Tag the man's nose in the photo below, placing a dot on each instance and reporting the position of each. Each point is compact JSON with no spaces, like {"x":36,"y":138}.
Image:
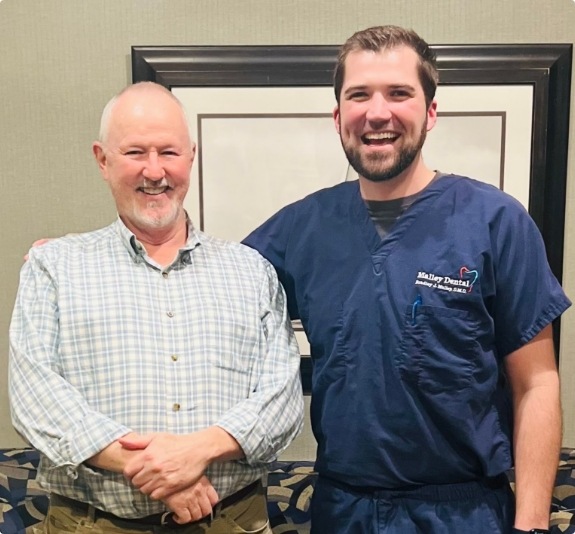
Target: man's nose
{"x":153,"y":168}
{"x":378,"y":109}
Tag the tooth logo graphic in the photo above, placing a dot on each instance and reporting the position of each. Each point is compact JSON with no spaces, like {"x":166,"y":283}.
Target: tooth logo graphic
{"x":466,"y":274}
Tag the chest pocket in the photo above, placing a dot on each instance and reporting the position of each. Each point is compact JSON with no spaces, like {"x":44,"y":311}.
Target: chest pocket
{"x":230,"y":336}
{"x":439,"y":352}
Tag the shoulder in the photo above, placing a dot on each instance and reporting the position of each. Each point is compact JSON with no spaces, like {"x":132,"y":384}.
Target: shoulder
{"x":337,"y":198}
{"x":486,"y":212}
{"x":234,"y":264}
{"x":273,"y":235}
{"x":480,"y":194}
{"x":71,"y":244}
{"x":230,"y":252}
{"x":329,"y":196}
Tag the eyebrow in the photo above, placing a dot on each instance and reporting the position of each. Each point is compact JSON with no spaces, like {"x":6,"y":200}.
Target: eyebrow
{"x":354,"y":88}
{"x":404,"y":87}
{"x":393,"y":87}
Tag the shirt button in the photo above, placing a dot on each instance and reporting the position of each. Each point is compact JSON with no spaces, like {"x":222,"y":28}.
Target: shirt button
{"x":165,"y":274}
{"x":174,"y":357}
{"x":176,"y":407}
{"x":170,"y":314}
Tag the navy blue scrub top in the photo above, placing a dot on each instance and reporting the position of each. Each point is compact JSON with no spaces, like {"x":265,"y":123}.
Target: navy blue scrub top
{"x":408,"y":333}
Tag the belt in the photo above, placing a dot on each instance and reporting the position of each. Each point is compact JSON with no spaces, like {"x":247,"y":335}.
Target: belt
{"x":166,"y":519}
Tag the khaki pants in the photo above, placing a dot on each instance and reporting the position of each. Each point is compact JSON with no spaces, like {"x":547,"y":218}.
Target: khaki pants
{"x":249,"y":515}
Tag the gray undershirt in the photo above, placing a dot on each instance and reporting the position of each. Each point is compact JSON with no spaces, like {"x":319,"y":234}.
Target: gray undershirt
{"x":384,"y":213}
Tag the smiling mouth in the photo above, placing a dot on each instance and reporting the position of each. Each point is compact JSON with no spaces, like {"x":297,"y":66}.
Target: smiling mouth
{"x":154,"y":191}
{"x":379,"y":138}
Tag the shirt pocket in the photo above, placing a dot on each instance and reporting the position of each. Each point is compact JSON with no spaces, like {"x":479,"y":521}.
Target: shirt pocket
{"x":439,"y":351}
{"x":231,"y":336}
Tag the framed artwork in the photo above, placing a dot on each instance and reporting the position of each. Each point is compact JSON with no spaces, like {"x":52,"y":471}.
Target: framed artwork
{"x":262,"y":118}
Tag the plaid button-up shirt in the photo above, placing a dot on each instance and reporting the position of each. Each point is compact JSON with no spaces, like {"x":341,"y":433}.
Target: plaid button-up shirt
{"x":103,"y":340}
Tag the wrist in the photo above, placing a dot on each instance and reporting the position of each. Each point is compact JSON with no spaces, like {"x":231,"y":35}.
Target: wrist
{"x":532,"y":531}
{"x":222,"y":445}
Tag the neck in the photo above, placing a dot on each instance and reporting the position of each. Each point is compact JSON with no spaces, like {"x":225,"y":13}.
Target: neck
{"x":409,"y":182}
{"x":163,"y":244}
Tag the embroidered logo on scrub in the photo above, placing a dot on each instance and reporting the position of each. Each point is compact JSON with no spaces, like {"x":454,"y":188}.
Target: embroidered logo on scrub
{"x":463,"y":284}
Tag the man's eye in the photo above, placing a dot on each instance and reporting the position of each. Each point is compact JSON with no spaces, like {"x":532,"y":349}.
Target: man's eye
{"x":169,"y":153}
{"x":360,"y":95}
{"x":133,"y":152}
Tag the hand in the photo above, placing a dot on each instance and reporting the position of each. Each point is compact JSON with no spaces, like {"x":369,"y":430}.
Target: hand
{"x":115,"y":457}
{"x":167,"y":464}
{"x":37,"y":243}
{"x":193,"y":503}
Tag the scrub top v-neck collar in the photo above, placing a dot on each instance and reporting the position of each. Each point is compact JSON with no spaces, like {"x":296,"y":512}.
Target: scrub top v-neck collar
{"x":382,"y":247}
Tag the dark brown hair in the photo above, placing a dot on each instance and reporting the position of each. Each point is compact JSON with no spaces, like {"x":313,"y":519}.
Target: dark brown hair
{"x":387,"y":37}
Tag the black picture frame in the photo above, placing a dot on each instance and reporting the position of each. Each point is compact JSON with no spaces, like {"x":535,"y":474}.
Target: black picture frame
{"x":545,"y":67}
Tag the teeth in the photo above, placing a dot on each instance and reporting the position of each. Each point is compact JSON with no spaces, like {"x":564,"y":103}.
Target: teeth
{"x":380,"y":136}
{"x":154,"y":190}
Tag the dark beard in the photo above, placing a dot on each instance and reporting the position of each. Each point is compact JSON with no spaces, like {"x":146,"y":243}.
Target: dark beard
{"x":405,"y":159}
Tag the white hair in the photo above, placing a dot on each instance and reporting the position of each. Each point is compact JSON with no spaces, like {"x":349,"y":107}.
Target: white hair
{"x":136,"y":87}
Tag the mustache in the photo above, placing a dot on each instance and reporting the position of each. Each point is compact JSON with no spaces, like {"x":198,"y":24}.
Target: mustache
{"x":155,"y":183}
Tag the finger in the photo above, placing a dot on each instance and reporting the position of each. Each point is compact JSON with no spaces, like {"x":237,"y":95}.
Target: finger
{"x":36,"y":243}
{"x":132,"y":468}
{"x":148,"y":485}
{"x":146,"y":489}
{"x":213,"y":496}
{"x":196,"y":512}
{"x":205,"y":505}
{"x":182,"y":516}
{"x":160,"y":493}
{"x":210,"y":491}
{"x":193,"y":513}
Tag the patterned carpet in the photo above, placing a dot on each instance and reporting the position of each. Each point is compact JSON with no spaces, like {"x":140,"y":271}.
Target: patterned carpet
{"x":23,"y":503}
{"x":290,"y":485}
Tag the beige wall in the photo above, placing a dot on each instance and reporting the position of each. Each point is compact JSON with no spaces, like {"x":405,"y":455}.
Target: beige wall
{"x":60,"y":61}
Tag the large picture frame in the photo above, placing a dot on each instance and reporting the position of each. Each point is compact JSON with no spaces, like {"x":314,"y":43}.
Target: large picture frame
{"x":544,"y":68}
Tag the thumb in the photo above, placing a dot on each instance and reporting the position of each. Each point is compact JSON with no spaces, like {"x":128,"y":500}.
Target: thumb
{"x":134,"y":442}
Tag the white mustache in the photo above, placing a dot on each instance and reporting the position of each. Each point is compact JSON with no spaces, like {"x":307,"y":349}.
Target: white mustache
{"x":155,"y":183}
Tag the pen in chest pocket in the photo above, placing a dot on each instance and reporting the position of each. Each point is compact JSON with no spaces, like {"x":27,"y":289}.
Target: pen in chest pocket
{"x":416,"y":303}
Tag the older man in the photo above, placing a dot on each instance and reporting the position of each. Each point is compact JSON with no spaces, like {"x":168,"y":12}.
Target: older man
{"x":153,"y":366}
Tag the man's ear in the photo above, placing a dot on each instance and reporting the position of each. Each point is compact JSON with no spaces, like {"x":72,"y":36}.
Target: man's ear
{"x":100,"y":155}
{"x":336,"y":118}
{"x":431,"y":115}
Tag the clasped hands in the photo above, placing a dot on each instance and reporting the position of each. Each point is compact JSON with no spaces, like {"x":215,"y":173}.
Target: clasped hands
{"x":164,"y":470}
